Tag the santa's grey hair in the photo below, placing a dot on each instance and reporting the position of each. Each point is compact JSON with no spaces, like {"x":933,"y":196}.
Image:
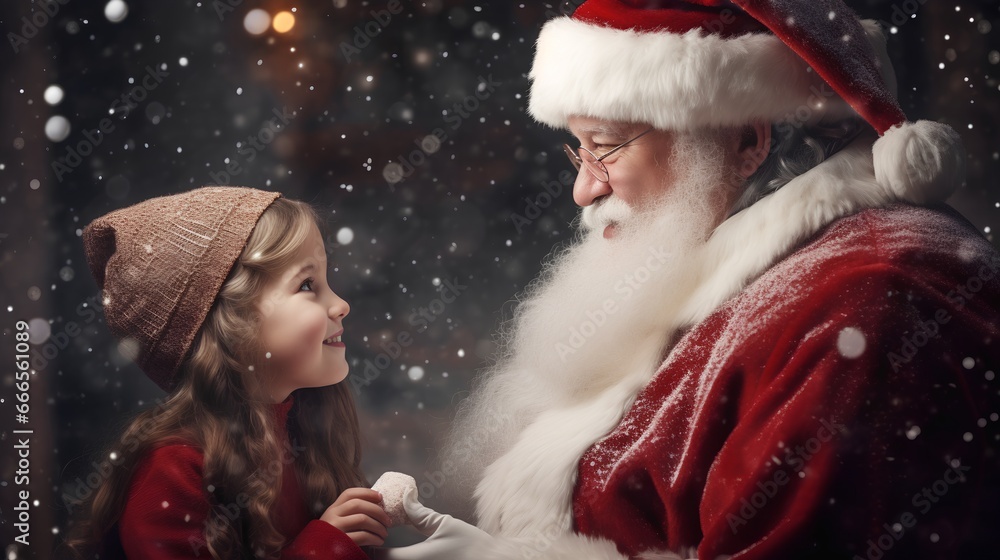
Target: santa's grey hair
{"x":795,"y":150}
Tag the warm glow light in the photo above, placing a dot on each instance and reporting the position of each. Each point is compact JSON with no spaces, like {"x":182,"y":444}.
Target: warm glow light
{"x":283,"y":22}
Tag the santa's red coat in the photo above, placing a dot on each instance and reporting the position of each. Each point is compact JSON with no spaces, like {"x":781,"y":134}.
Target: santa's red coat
{"x":844,"y":403}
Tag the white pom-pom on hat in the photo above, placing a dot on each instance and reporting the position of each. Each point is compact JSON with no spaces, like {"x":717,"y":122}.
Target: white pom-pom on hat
{"x":921,"y":162}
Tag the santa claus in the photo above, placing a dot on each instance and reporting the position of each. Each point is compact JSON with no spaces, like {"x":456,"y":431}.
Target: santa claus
{"x":770,"y":339}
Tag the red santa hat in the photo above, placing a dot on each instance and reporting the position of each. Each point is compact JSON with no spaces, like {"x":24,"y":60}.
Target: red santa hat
{"x":682,"y":64}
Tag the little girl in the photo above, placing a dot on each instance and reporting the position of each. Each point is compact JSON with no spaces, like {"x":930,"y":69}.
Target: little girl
{"x":220,"y":296}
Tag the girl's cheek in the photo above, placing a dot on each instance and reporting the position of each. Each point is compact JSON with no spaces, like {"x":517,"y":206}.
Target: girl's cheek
{"x":311,"y":331}
{"x":289,"y":334}
{"x":296,"y":329}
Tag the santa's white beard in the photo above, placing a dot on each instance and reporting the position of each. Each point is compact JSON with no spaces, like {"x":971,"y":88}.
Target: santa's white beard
{"x":602,"y":310}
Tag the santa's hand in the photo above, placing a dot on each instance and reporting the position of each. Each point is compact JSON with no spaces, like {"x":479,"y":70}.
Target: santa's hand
{"x":448,"y":538}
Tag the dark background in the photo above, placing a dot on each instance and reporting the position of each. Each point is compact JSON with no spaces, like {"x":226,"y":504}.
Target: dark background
{"x":358,"y":105}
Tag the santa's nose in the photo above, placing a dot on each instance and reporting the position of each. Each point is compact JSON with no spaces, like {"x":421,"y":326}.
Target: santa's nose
{"x":587,"y":188}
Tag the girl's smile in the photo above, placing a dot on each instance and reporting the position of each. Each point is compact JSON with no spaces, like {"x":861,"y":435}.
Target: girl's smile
{"x":334,"y":340}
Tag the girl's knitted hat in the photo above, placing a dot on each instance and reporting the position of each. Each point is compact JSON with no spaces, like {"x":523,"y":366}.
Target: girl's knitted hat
{"x":162,"y":262}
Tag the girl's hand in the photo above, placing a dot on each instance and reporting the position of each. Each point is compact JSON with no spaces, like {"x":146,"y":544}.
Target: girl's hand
{"x":357,"y":512}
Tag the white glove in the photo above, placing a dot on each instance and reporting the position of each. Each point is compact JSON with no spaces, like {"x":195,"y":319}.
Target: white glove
{"x":448,"y":538}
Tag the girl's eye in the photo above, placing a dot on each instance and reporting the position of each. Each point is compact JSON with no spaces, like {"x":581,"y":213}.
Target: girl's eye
{"x":307,"y":281}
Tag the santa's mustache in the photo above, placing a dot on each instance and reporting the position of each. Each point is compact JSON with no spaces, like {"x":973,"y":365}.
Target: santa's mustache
{"x":605,"y":211}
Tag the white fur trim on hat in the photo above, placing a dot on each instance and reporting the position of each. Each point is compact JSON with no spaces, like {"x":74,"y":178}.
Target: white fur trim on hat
{"x":679,"y":81}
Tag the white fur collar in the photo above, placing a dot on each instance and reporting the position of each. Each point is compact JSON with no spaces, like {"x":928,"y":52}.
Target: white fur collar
{"x":529,"y":489}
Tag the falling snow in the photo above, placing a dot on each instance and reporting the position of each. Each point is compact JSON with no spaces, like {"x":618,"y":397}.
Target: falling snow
{"x":143,"y":99}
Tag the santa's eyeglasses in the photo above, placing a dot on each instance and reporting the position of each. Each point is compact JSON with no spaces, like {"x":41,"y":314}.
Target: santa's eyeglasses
{"x":586,"y":158}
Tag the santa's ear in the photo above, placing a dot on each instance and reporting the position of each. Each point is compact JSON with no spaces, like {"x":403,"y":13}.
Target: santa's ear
{"x":753,"y":144}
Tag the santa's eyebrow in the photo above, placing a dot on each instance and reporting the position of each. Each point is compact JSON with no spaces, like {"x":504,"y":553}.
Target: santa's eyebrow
{"x":600,"y":128}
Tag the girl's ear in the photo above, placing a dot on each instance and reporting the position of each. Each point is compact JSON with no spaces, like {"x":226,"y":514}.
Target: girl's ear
{"x":753,"y":147}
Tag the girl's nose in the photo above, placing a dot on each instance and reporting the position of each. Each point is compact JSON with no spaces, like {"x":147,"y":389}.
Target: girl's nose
{"x":340,"y":307}
{"x":587,"y":188}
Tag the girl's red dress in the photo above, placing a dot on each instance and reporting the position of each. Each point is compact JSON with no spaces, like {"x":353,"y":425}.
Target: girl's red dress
{"x":166,"y":509}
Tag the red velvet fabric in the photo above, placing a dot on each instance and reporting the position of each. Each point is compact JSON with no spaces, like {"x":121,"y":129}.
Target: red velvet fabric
{"x":844,"y":405}
{"x":829,"y":37}
{"x":166,"y":509}
{"x":673,"y":16}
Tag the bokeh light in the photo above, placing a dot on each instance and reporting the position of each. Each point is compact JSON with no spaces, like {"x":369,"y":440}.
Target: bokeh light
{"x":283,"y":22}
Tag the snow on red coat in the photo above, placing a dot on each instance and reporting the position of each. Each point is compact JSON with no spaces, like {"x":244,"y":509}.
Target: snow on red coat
{"x":166,"y":509}
{"x":844,"y":401}
{"x":829,"y":392}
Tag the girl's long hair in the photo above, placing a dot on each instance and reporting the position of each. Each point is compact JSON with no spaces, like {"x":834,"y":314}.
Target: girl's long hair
{"x":220,"y":404}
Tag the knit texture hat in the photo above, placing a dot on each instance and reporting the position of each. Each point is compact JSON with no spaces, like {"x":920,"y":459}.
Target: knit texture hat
{"x":682,"y":64}
{"x":162,"y":262}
